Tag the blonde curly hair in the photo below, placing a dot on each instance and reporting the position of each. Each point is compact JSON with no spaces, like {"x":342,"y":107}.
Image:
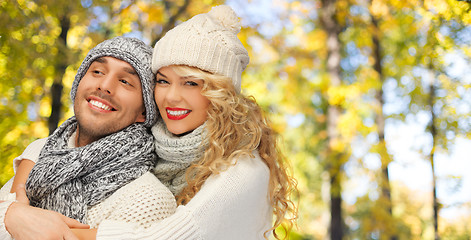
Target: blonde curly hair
{"x":236,"y":126}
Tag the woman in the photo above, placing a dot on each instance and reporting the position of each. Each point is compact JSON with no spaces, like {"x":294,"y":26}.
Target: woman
{"x":198,"y":68}
{"x":218,"y":153}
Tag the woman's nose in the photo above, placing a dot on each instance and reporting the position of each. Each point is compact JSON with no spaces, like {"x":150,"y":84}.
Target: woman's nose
{"x":173,"y":94}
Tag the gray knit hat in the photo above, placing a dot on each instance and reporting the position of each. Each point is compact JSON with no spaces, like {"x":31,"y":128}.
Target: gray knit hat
{"x":138,"y":55}
{"x":207,"y":41}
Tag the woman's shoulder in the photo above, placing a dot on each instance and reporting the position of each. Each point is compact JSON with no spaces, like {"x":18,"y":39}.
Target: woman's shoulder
{"x":252,"y":162}
{"x":246,"y":168}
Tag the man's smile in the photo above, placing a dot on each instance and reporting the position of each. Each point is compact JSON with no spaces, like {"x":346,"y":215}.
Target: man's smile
{"x":100,"y":104}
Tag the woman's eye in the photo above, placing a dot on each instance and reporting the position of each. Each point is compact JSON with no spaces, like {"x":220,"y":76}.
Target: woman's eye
{"x":191,"y":83}
{"x":97,"y":72}
{"x":161,"y":81}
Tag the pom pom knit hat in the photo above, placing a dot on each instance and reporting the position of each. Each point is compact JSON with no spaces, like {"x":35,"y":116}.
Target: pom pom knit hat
{"x":207,"y":41}
{"x":138,"y":55}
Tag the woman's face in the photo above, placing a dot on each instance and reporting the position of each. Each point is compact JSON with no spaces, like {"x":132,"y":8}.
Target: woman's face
{"x":180,"y":102}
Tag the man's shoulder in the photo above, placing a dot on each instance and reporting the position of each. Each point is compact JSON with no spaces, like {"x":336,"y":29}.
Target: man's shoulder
{"x":38,"y":142}
{"x":34,"y":148}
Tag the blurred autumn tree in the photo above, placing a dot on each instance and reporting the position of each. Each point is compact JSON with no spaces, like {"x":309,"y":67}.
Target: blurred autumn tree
{"x":333,"y":75}
{"x":363,"y":61}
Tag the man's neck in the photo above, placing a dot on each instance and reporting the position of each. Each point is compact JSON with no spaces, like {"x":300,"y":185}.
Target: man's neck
{"x":83,"y":139}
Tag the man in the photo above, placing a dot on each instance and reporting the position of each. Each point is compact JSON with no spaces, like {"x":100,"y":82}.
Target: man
{"x":104,"y":147}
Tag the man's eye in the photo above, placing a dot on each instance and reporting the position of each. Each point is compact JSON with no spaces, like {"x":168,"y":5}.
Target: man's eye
{"x":124,"y":81}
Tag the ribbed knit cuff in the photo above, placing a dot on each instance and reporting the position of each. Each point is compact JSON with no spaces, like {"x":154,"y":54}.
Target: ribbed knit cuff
{"x":177,"y":227}
{"x":3,"y":210}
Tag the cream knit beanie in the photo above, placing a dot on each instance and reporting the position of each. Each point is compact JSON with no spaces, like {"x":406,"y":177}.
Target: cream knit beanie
{"x":207,"y":41}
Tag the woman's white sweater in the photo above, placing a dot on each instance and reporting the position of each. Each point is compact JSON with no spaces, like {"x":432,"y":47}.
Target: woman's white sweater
{"x":231,"y":205}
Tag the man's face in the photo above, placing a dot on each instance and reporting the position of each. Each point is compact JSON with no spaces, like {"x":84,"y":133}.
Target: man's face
{"x":108,"y":99}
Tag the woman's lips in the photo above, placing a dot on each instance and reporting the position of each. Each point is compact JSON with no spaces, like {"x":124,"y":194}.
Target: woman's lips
{"x":177,"y":113}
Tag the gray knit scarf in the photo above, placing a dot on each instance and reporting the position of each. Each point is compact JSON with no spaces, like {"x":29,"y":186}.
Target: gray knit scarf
{"x":69,"y":180}
{"x":176,"y":154}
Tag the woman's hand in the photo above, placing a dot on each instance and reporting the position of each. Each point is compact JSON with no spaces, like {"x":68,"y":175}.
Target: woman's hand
{"x":85,"y":234}
{"x":25,"y":222}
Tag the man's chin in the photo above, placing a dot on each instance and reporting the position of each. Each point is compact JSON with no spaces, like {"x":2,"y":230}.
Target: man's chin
{"x":94,"y":131}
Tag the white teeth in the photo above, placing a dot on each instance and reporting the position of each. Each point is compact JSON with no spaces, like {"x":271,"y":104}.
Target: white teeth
{"x":100,"y":105}
{"x":178,"y":113}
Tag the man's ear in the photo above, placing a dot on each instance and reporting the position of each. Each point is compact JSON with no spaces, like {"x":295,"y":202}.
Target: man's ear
{"x":141,"y":117}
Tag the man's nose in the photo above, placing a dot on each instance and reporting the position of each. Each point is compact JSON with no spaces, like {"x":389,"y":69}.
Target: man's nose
{"x":107,"y":84}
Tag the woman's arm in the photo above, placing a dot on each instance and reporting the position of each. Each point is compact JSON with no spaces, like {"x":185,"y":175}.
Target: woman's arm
{"x":143,"y":201}
{"x":84,"y":234}
{"x":231,"y":205}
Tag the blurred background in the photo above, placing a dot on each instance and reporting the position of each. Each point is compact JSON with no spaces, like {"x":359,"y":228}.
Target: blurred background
{"x":371,"y":98}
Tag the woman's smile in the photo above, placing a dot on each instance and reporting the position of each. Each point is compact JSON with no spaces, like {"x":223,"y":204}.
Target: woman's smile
{"x":177,"y":113}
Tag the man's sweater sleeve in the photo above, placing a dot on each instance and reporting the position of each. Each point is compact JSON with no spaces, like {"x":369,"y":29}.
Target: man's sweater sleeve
{"x":231,"y":205}
{"x":31,"y":152}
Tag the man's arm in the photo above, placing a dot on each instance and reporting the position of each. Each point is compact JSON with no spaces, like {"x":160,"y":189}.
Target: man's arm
{"x":22,"y":172}
{"x":24,"y":222}
{"x":25,"y":162}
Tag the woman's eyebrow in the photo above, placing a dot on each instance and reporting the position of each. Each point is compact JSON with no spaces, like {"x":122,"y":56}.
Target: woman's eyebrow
{"x":158,"y":72}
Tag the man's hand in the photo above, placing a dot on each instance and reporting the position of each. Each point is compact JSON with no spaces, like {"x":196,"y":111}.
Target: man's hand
{"x":25,"y":222}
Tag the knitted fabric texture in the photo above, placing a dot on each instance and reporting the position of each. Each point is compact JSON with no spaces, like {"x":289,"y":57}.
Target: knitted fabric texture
{"x":143,"y":201}
{"x":207,"y":41}
{"x":68,"y":180}
{"x":138,"y":55}
{"x":176,"y":154}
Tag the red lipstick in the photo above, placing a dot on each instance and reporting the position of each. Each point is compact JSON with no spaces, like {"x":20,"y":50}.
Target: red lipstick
{"x":177,"y":113}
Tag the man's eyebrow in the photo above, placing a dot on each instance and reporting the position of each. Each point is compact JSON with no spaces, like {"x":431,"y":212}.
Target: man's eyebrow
{"x":130,"y":70}
{"x":101,"y":60}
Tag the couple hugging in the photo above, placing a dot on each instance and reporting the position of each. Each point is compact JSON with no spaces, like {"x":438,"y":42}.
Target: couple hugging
{"x":163,"y":145}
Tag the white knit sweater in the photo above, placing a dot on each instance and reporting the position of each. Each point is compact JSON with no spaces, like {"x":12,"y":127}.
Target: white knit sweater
{"x":143,"y":201}
{"x":231,"y":205}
